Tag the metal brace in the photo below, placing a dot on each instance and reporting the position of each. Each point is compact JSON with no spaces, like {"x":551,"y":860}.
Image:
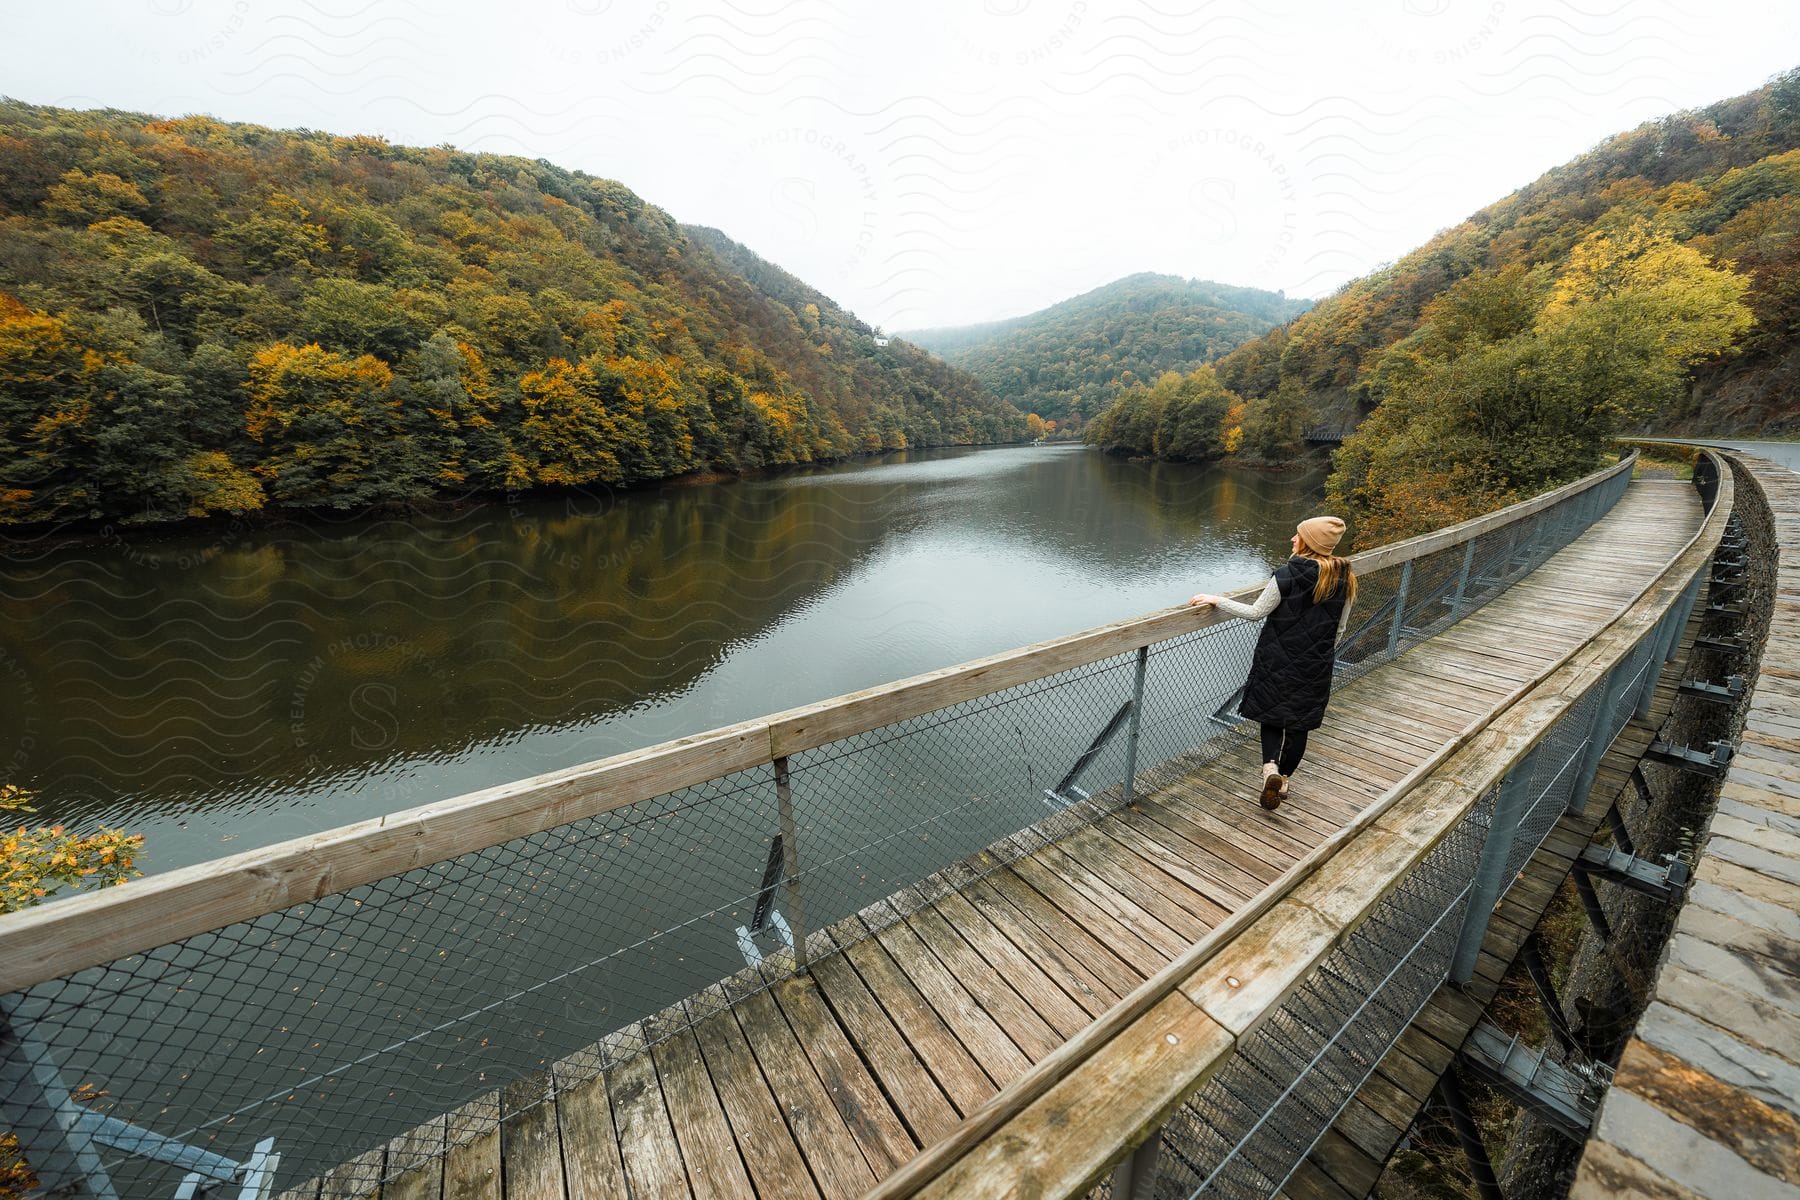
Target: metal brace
{"x":1567,"y":1097}
{"x":766,"y":915}
{"x":1667,"y":882}
{"x":1730,"y":692}
{"x":259,"y":1177}
{"x":61,"y":1139}
{"x":1711,"y":763}
{"x":1058,"y":797}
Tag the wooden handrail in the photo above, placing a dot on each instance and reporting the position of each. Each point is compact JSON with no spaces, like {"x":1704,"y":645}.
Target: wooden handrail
{"x":69,"y":935}
{"x":1237,"y":975}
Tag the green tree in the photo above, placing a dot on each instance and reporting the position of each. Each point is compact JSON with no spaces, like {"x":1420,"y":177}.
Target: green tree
{"x":359,"y":318}
{"x":325,"y":421}
{"x":1274,"y":426}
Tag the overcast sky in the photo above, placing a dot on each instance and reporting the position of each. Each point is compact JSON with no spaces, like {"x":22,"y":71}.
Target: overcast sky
{"x":930,"y":164}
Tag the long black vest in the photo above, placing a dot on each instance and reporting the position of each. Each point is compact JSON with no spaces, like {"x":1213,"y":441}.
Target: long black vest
{"x":1290,"y":676}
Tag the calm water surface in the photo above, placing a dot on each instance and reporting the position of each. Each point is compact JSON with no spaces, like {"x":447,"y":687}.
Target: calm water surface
{"x":228,"y":689}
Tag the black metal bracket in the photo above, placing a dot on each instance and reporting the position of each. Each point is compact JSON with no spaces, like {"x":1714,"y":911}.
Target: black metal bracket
{"x":1729,"y":692}
{"x":1667,"y":881}
{"x":1531,"y":955}
{"x":765,"y":916}
{"x":1711,"y":763}
{"x":1728,"y":643}
{"x":1615,"y":820}
{"x":1567,"y":1098}
{"x":1590,"y":902}
{"x":1468,"y":1136}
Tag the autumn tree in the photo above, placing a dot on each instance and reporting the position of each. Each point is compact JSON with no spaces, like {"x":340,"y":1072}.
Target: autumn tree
{"x":325,"y":421}
{"x":1178,"y":416}
{"x":1482,"y":404}
{"x":37,"y":860}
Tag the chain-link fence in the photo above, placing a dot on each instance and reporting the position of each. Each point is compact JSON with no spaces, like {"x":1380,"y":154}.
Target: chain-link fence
{"x":1245,"y":1132}
{"x":327,"y":1030}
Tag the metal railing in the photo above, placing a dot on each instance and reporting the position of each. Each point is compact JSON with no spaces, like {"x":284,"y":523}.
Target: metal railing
{"x":1250,"y":1126}
{"x":1290,"y":1008}
{"x":280,"y":1015}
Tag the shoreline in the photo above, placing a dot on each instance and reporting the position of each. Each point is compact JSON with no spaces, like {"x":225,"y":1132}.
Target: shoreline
{"x":27,"y":541}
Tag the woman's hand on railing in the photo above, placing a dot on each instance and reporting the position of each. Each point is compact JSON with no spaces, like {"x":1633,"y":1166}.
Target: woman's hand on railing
{"x":1203,"y":601}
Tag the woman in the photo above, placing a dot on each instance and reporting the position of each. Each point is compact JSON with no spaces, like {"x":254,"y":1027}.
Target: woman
{"x":1307,"y":602}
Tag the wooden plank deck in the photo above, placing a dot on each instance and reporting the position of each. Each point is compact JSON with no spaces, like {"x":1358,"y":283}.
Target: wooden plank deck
{"x":827,"y":1082}
{"x":1349,"y":1159}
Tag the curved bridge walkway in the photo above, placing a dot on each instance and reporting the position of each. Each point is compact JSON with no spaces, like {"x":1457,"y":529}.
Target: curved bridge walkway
{"x":828,"y":1082}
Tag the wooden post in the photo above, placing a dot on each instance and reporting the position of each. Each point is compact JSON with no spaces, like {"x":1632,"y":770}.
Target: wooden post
{"x":790,"y":851}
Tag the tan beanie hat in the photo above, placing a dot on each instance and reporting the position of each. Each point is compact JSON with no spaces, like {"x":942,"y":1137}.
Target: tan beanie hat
{"x":1322,"y":534}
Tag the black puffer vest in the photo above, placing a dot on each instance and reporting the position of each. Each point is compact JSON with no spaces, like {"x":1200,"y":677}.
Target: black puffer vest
{"x":1290,"y":676}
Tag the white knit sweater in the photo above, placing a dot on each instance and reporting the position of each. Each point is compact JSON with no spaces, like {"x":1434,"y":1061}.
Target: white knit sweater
{"x":1265,"y":603}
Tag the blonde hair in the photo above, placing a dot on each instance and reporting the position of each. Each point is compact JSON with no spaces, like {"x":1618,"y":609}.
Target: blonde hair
{"x":1334,"y":570}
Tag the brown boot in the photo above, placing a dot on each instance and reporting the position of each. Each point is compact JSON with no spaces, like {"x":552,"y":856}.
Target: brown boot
{"x":1273,"y":787}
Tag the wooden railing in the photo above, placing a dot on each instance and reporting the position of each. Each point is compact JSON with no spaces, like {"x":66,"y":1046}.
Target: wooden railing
{"x":1056,"y":1130}
{"x":70,"y":935}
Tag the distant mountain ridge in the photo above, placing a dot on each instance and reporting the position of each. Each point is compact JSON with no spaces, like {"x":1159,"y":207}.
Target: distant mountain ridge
{"x":1072,"y":357}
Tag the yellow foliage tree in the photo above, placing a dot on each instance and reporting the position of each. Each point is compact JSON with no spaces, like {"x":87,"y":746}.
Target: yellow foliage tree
{"x":324,"y":417}
{"x":35,"y":861}
{"x":568,"y":426}
{"x":1642,"y":273}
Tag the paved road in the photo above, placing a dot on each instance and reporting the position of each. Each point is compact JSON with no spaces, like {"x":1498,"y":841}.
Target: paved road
{"x":1785,"y":453}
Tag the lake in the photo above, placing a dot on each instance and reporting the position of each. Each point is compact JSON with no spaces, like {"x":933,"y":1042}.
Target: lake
{"x":227,"y":688}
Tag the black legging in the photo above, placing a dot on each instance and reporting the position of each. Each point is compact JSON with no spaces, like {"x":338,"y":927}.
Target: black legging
{"x":1283,"y":747}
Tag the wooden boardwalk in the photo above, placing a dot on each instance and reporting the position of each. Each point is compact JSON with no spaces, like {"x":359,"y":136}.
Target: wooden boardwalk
{"x":1349,"y":1158}
{"x":826,"y":1083}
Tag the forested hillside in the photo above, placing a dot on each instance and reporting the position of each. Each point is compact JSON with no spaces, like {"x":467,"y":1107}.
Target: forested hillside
{"x":1068,"y":360}
{"x":198,"y":317}
{"x":1654,"y":281}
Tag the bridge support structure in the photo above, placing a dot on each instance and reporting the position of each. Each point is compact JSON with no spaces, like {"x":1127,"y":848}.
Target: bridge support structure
{"x":1350,"y":1158}
{"x":66,"y":1153}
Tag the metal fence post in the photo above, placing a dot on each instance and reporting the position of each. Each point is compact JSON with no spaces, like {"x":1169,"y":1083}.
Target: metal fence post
{"x":35,"y":1105}
{"x":790,"y":851}
{"x":1135,"y":1178}
{"x":1668,"y":640}
{"x":1490,"y":873}
{"x":1399,"y":608}
{"x":1462,"y":582}
{"x":1685,"y":607}
{"x":1599,"y":738}
{"x":1131,"y":733}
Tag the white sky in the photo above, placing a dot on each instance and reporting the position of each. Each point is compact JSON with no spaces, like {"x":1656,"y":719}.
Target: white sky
{"x":930,"y":163}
